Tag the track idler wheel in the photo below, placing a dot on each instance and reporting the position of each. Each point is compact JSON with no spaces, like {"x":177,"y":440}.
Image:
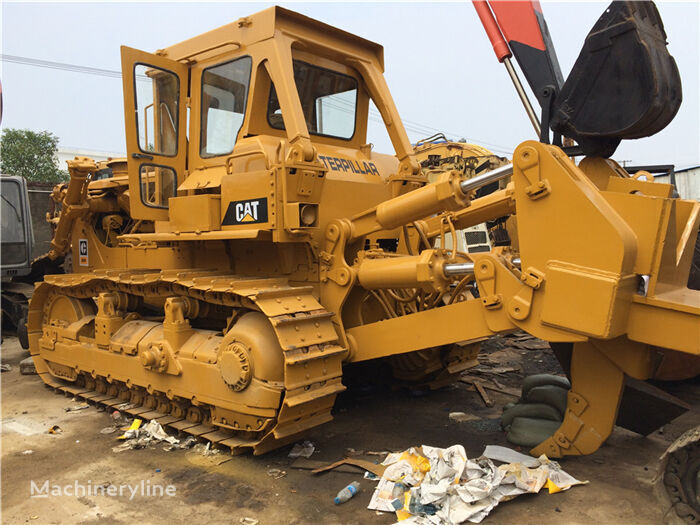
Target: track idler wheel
{"x":235,"y":365}
{"x":250,"y":350}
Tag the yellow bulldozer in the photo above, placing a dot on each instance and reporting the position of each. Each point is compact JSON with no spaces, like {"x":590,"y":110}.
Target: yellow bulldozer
{"x":253,"y":243}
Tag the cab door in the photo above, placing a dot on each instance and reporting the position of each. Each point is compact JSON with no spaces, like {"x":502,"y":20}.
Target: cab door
{"x":155,"y":114}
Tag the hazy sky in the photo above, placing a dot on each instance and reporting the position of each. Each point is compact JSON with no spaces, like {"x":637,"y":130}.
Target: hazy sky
{"x":439,"y":67}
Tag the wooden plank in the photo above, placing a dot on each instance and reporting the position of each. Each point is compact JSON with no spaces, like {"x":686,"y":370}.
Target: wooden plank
{"x":499,"y":388}
{"x":484,"y":396}
{"x":312,"y":464}
{"x":363,"y":464}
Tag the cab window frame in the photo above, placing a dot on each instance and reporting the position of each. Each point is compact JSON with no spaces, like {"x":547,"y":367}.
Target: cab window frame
{"x":202,"y":129}
{"x":176,"y":120}
{"x":154,"y":164}
{"x":355,"y":80}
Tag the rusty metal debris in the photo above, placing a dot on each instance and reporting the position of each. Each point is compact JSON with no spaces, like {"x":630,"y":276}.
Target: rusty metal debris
{"x":360,"y":463}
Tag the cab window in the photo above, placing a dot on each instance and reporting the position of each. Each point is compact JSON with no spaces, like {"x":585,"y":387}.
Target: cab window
{"x":158,"y":184}
{"x":12,"y":238}
{"x":157,"y":92}
{"x":328,"y":99}
{"x":224,"y":95}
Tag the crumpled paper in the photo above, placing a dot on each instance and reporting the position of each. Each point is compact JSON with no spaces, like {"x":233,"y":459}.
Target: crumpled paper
{"x":137,"y":436}
{"x":441,"y":486}
{"x":155,"y":431}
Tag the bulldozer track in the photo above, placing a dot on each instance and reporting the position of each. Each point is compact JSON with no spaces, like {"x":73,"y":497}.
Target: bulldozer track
{"x":312,"y":368}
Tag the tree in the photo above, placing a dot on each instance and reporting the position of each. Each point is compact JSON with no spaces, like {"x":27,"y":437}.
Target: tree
{"x":30,"y":155}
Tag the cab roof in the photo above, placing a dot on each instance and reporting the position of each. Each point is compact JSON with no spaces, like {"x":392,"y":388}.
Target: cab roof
{"x":266,"y":24}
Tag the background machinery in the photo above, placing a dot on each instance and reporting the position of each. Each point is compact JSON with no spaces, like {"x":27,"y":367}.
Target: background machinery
{"x":436,"y":154}
{"x":219,"y":284}
{"x":16,"y":242}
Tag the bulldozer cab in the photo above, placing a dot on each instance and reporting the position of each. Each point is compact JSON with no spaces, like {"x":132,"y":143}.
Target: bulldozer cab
{"x":229,"y":100}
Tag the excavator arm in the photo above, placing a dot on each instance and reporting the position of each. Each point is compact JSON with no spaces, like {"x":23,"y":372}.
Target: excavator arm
{"x":623,"y":85}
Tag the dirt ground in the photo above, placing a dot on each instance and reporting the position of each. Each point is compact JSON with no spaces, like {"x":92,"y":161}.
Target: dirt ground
{"x":225,"y":489}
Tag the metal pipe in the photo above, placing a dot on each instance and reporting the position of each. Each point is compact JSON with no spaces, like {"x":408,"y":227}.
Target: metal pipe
{"x":503,"y":54}
{"x":523,"y":95}
{"x":487,"y":178}
{"x":455,"y":269}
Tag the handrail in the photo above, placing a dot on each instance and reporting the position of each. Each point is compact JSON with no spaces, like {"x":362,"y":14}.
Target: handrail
{"x":210,"y":48}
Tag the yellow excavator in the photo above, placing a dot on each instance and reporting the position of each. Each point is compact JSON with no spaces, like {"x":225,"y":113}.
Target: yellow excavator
{"x":253,"y":243}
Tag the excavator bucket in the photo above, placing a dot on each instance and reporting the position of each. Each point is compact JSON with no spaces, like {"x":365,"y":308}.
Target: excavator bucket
{"x":624,"y":84}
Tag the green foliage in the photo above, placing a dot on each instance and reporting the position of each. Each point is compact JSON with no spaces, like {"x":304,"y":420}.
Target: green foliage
{"x":30,"y":155}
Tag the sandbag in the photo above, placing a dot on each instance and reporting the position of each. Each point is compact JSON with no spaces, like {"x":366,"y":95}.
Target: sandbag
{"x":543,"y":379}
{"x":530,"y":432}
{"x":530,"y":410}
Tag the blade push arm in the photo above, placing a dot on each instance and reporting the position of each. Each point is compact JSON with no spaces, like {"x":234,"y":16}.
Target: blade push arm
{"x":584,"y":254}
{"x":74,"y":204}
